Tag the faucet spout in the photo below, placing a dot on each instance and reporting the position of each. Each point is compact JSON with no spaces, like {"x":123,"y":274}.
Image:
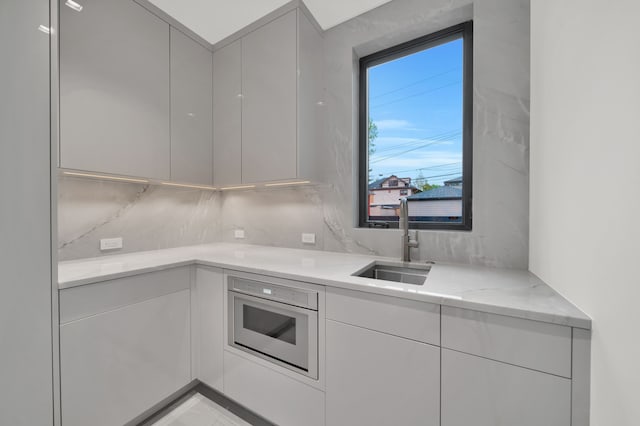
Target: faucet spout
{"x":403,"y":224}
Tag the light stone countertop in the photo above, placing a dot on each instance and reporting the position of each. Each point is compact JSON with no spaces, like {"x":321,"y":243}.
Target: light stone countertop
{"x":500,"y":291}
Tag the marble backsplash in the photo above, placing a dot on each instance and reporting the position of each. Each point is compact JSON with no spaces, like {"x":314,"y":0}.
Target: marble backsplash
{"x":151,"y":217}
{"x":147,"y":217}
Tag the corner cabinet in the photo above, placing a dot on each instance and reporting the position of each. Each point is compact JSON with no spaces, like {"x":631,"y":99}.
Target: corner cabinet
{"x":227,"y":114}
{"x":114,"y":90}
{"x":273,"y":110}
{"x":191,"y":111}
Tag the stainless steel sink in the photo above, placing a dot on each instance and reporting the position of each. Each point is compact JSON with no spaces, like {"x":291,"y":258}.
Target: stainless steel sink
{"x":415,"y":274}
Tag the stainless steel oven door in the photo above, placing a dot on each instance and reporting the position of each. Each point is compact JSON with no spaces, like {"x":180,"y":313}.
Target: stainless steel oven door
{"x":281,"y":333}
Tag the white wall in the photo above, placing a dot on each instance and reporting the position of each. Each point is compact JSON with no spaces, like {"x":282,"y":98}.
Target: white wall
{"x":26,"y":374}
{"x":585,"y":182}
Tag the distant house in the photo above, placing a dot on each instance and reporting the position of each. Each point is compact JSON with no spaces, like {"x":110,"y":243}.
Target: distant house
{"x":442,"y":204}
{"x":385,"y":194}
{"x":454,"y":182}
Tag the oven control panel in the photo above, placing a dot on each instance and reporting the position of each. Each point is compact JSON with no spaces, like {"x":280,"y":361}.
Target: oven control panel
{"x":294,"y":296}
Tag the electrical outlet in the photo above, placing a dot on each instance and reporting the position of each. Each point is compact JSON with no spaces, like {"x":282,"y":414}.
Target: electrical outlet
{"x":238,"y":234}
{"x":110,"y":243}
{"x":309,"y":238}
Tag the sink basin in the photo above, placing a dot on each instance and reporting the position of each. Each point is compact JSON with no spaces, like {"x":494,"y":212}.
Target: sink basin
{"x":407,"y":273}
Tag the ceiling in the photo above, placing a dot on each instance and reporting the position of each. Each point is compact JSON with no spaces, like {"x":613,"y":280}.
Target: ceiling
{"x":214,"y":20}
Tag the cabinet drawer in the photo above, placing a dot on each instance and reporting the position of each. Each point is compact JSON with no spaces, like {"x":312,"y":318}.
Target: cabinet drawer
{"x":481,"y":392}
{"x":401,"y":317}
{"x":91,"y":299}
{"x":376,"y":379}
{"x":532,"y":344}
{"x":276,"y":397}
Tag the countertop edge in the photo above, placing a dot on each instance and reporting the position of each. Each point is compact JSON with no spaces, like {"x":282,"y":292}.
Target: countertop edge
{"x":440,"y":299}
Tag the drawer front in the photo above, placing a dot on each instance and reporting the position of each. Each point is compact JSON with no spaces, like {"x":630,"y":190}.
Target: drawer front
{"x":91,"y":299}
{"x":532,"y":344}
{"x":400,"y":317}
{"x":481,"y":392}
{"x":116,"y":365}
{"x":278,"y":398}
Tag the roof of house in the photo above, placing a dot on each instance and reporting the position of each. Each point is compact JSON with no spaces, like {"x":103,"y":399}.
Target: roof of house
{"x":440,"y":193}
{"x":454,"y":180}
{"x":377,"y":184}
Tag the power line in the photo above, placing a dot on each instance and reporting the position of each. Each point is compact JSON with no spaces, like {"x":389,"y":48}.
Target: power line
{"x":426,"y":178}
{"x":426,"y":145}
{"x":416,"y":94}
{"x":447,"y":134}
{"x":433,"y":141}
{"x":414,"y":83}
{"x":426,"y":168}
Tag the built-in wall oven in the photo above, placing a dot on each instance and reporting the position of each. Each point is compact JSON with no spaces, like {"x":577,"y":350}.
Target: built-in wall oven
{"x":275,"y":322}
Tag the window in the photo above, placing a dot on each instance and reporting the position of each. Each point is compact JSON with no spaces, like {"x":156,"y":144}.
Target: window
{"x":415,"y":127}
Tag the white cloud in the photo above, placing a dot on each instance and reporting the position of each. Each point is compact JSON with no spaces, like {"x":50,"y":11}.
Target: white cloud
{"x":392,"y":124}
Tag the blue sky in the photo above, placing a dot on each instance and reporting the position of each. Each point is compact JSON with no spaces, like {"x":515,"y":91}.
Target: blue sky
{"x":416,"y":102}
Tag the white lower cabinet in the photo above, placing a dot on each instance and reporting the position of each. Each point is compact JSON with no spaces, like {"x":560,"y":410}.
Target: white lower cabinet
{"x":273,"y":395}
{"x":119,"y":363}
{"x":482,"y":392}
{"x":208,"y":326}
{"x":375,"y":378}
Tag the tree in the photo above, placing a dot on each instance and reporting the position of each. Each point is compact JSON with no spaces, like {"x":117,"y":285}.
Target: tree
{"x":373,"y":134}
{"x":422,"y":184}
{"x":427,"y":186}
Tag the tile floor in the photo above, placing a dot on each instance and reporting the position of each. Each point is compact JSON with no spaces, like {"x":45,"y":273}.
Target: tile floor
{"x":200,"y":411}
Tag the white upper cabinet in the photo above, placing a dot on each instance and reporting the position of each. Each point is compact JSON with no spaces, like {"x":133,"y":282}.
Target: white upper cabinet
{"x":191,"y":110}
{"x":227,"y":114}
{"x":114,"y":89}
{"x":280,"y":90}
{"x":269,"y":82}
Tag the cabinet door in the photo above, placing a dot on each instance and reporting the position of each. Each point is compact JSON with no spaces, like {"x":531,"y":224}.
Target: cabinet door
{"x":114,"y":89}
{"x":191,"y":111}
{"x":378,"y":379}
{"x":481,"y":392}
{"x":208,"y":326}
{"x":227,"y":114}
{"x":26,"y":341}
{"x":117,"y":364}
{"x":269,"y":111}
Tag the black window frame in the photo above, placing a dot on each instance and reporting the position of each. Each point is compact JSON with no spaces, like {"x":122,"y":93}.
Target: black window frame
{"x":464,"y":30}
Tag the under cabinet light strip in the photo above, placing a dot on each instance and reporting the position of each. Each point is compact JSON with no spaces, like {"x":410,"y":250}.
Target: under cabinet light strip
{"x":287,"y":183}
{"x":73,"y":5}
{"x":238,"y":187}
{"x":184,"y":185}
{"x":106,"y":177}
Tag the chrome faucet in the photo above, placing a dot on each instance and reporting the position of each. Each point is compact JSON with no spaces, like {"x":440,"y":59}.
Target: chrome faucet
{"x":407,"y":241}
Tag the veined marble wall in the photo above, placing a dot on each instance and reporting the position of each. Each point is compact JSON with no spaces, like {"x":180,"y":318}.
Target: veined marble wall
{"x":147,"y":217}
{"x":153,"y":217}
